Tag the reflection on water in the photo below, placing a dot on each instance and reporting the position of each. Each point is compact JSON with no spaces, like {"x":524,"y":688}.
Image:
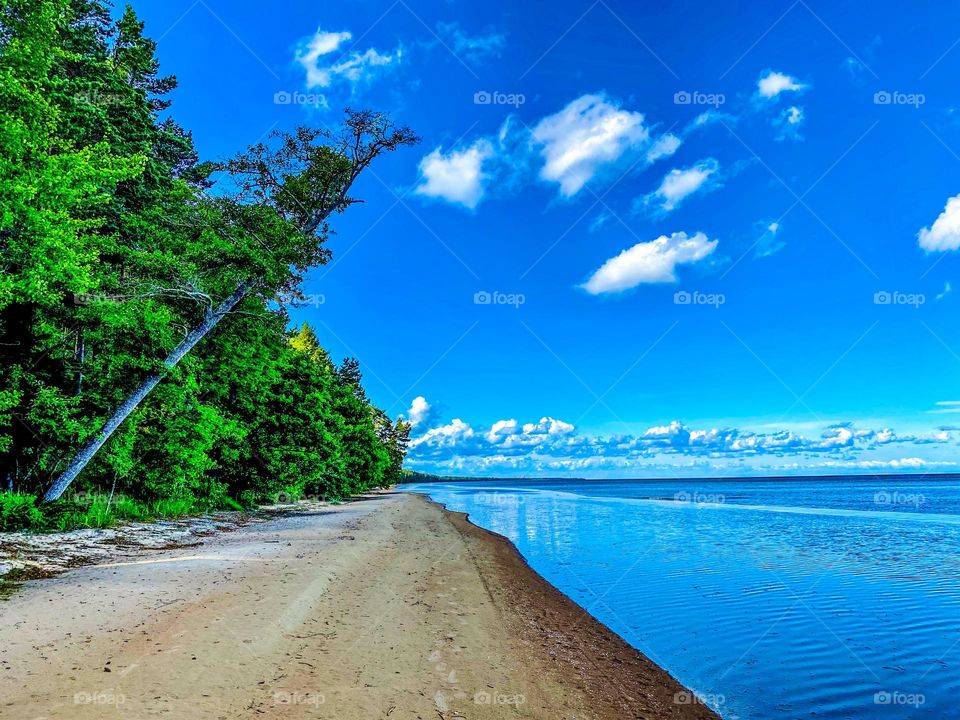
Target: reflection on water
{"x":831,"y":598}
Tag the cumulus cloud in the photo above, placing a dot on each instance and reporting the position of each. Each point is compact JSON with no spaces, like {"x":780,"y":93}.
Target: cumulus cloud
{"x":450,"y":436}
{"x":457,"y":176}
{"x":354,"y":67}
{"x":681,"y":183}
{"x":944,"y":234}
{"x":421,"y":412}
{"x":649,"y":262}
{"x":772,"y":83}
{"x":588,"y":136}
{"x":554,"y":444}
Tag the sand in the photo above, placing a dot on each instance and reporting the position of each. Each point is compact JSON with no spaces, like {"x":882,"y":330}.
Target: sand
{"x":385,"y":607}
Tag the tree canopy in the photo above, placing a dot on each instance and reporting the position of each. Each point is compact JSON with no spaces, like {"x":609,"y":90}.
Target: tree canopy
{"x":117,"y":243}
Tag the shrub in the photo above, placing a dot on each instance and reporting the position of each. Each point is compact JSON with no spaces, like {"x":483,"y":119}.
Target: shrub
{"x":19,"y":512}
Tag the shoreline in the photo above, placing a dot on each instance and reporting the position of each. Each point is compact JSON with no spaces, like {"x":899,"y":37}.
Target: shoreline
{"x":615,"y":676}
{"x":387,"y":606}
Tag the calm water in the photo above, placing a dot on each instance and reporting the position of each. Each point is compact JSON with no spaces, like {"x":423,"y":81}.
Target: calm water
{"x":826,"y":598}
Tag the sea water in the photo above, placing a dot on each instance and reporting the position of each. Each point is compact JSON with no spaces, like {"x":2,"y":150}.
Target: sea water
{"x":768,"y":598}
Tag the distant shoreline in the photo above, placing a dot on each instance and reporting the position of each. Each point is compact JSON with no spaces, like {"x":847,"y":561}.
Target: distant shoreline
{"x":875,"y":477}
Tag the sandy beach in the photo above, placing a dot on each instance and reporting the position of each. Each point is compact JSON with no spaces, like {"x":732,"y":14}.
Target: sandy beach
{"x":384,"y":607}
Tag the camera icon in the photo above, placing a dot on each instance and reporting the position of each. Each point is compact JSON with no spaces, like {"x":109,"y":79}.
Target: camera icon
{"x":282,"y":98}
{"x":482,"y":698}
{"x":882,"y":97}
{"x":682,"y":698}
{"x":882,"y":298}
{"x":882,"y":698}
{"x":682,"y":97}
{"x":482,"y":97}
{"x":482,"y":298}
{"x":682,"y":297}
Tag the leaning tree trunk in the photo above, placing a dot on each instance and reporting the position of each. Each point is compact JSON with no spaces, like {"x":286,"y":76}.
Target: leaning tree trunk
{"x":87,"y":453}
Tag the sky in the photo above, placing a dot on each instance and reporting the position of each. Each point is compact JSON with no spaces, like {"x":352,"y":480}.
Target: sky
{"x":637,"y":239}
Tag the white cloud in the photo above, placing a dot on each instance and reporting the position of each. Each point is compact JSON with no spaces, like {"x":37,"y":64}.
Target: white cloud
{"x":664,"y":146}
{"x":678,"y":184}
{"x":552,"y":444}
{"x":946,"y":406}
{"x":944,"y":234}
{"x":420,"y":411}
{"x":788,"y":123}
{"x":474,"y":48}
{"x":354,"y":67}
{"x":772,"y":83}
{"x":456,"y":176}
{"x":589,"y":135}
{"x":445,"y":436}
{"x":649,"y":262}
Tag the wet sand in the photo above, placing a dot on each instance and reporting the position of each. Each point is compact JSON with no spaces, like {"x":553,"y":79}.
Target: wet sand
{"x":385,"y":607}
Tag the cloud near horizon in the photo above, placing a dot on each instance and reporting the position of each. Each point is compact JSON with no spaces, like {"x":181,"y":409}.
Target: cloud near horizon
{"x":551,"y":444}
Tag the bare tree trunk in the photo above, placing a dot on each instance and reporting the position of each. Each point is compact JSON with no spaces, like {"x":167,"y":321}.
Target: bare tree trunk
{"x":87,"y":453}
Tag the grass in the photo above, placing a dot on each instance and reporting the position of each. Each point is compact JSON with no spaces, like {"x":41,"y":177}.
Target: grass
{"x":19,"y":511}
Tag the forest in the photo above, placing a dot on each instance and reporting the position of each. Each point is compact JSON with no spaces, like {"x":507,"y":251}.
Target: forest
{"x":149,"y":364}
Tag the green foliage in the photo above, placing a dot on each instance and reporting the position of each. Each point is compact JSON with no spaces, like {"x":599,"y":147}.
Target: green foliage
{"x":19,"y":511}
{"x":112,"y":249}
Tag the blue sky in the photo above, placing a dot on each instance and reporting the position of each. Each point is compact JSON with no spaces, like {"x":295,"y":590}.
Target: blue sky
{"x":637,"y":239}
